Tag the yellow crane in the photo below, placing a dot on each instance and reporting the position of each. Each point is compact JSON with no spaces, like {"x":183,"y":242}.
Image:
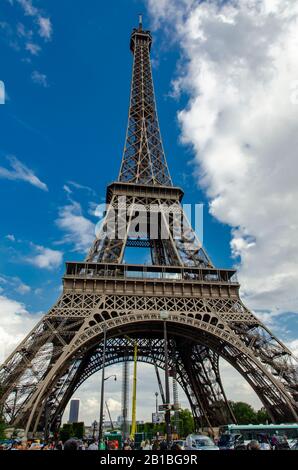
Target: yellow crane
{"x":134,"y":394}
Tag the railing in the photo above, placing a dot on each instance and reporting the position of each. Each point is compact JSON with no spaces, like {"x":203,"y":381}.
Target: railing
{"x":167,"y":273}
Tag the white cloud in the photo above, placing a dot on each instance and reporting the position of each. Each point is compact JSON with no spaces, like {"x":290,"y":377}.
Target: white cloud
{"x":38,"y":26}
{"x":67,"y":189}
{"x":13,"y":284}
{"x":28,"y":7}
{"x":45,"y":258}
{"x":44,"y":23}
{"x":15,"y":324}
{"x":23,"y":289}
{"x":293,"y":346}
{"x":23,"y":32}
{"x":79,"y":230}
{"x":34,"y":49}
{"x":239,"y":64}
{"x":39,"y":79}
{"x":76,"y":185}
{"x":11,"y":237}
{"x":22,"y":173}
{"x":45,"y":27}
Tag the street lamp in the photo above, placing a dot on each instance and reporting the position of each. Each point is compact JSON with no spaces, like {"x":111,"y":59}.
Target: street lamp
{"x":94,"y":425}
{"x":110,"y":376}
{"x":164,"y":315}
{"x":156,"y":403}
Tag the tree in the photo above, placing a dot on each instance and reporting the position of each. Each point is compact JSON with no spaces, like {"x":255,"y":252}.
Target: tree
{"x":66,"y":432}
{"x":263,"y":417}
{"x":186,"y":422}
{"x":78,"y":430}
{"x":244,"y":413}
{"x":72,"y":430}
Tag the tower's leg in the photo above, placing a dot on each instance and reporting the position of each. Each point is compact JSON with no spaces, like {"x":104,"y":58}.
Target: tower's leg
{"x":204,"y":386}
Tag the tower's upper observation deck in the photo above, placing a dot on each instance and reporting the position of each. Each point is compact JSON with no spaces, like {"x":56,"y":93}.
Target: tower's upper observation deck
{"x":140,"y":36}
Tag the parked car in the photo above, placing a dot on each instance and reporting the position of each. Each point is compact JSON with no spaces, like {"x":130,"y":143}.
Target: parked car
{"x":199,"y":442}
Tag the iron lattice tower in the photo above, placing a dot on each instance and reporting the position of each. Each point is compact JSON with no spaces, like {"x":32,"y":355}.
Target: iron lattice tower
{"x":207,"y":319}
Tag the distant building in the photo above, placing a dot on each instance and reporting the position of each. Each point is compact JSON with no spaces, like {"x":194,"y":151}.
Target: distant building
{"x":74,"y":411}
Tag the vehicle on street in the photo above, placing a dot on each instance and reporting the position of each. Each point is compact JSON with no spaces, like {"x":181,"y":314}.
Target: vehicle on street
{"x":180,"y":443}
{"x":199,"y":442}
{"x":258,"y":431}
{"x":229,"y":441}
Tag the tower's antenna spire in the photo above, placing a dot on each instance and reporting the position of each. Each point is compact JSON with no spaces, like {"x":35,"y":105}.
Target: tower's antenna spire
{"x":140,"y":22}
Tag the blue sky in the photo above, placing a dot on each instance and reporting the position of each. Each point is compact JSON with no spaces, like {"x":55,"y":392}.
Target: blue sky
{"x":67,"y":68}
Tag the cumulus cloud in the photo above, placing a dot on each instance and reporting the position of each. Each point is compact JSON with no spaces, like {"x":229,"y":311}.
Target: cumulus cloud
{"x":15,"y":324}
{"x":239,"y":67}
{"x":21,"y":172}
{"x":79,"y":231}
{"x":45,"y":258}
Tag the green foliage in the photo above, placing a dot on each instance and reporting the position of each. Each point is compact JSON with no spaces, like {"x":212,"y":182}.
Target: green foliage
{"x":186,"y":422}
{"x":2,"y":429}
{"x":66,"y":432}
{"x":245,"y":414}
{"x":71,"y":430}
{"x":78,"y":430}
{"x":263,"y":417}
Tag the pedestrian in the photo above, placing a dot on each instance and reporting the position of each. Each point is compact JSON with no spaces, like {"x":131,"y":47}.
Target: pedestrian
{"x":264,"y":444}
{"x":59,"y":446}
{"x":147,"y":445}
{"x":71,"y":444}
{"x":155,"y":445}
{"x":163,"y":445}
{"x":253,"y":445}
{"x":93,"y":446}
{"x":142,"y":445}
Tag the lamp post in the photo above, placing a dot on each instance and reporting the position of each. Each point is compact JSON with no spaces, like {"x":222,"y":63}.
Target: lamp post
{"x":110,"y":376}
{"x":94,"y":425}
{"x":100,"y":429}
{"x":156,"y":403}
{"x":164,"y":316}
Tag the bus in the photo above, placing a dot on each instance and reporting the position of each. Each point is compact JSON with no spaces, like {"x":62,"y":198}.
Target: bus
{"x":251,"y":432}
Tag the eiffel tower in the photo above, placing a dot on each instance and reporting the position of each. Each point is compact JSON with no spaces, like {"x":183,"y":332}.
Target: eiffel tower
{"x":206,"y":318}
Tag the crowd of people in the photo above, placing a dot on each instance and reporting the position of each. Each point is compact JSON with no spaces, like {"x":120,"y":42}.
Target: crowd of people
{"x":262,"y":442}
{"x":77,"y":444}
